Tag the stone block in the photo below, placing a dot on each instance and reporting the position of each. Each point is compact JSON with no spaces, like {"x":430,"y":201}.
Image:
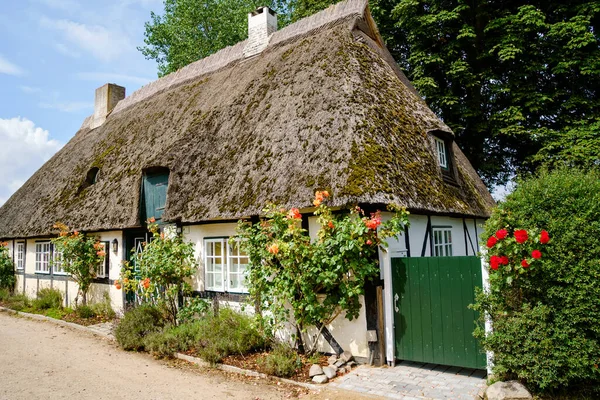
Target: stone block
{"x":320,"y":379}
{"x":315,"y":369}
{"x":511,"y":390}
{"x":330,"y":372}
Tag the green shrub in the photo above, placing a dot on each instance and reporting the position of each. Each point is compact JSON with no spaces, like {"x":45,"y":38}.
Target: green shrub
{"x":137,"y":324}
{"x":282,"y":361}
{"x":4,"y":294}
{"x":18,"y":302}
{"x":85,"y":312}
{"x":56,"y":313}
{"x":173,"y":339}
{"x":194,"y":308}
{"x":104,"y":308}
{"x":7,"y":269}
{"x":228,"y":332}
{"x":48,"y":298}
{"x":546,"y":317}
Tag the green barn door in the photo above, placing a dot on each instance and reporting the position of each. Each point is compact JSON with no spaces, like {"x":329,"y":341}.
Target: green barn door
{"x":155,"y":195}
{"x":433,"y":323}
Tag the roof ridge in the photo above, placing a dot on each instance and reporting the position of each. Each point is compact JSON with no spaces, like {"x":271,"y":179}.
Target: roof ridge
{"x":233,"y":53}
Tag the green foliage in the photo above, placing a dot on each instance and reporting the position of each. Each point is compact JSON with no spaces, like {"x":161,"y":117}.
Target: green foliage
{"x":193,"y":309}
{"x":137,"y":324}
{"x":104,"y":308}
{"x":81,"y":256}
{"x":315,"y":280}
{"x":190,"y":30}
{"x":546,"y":318}
{"x":509,"y":78}
{"x":84,"y":311}
{"x":228,"y":332}
{"x":18,"y":302}
{"x":162,"y":270}
{"x":282,"y":361}
{"x":7,"y":269}
{"x":174,"y":339}
{"x":4,"y":294}
{"x":48,"y":298}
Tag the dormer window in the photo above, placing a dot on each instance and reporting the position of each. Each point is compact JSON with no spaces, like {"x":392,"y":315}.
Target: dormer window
{"x":442,"y":153}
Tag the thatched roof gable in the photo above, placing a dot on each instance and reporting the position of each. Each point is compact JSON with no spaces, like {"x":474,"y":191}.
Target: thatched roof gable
{"x":320,"y":109}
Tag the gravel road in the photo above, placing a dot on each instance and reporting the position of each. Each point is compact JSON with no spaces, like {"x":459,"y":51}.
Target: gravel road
{"x":40,"y":360}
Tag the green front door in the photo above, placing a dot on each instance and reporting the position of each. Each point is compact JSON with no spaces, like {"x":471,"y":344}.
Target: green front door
{"x":433,"y":323}
{"x":155,"y":195}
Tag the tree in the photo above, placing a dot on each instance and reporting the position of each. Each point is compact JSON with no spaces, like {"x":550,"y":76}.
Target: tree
{"x":310,"y":283}
{"x":81,"y":256}
{"x":162,"y":270}
{"x":507,"y":77}
{"x":191,"y":29}
{"x":7,"y":269}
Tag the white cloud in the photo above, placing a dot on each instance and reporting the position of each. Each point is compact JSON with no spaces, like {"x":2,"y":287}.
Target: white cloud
{"x":104,"y":44}
{"x":6,"y":67}
{"x":105,"y":77}
{"x":23,"y":149}
{"x":69,"y":106}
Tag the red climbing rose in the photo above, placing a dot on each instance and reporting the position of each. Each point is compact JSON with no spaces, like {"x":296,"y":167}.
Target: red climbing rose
{"x":544,"y":237}
{"x":491,"y":242}
{"x":524,"y":263}
{"x":495,"y":262}
{"x":521,"y":236}
{"x":504,"y":260}
{"x":536,"y":254}
{"x":501,"y":234}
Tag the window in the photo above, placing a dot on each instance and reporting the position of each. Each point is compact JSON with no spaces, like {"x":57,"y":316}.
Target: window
{"x":225,"y":266}
{"x":442,"y":241}
{"x":20,"y":255}
{"x":42,"y":257}
{"x":57,"y":262}
{"x":441,"y":152}
{"x":103,"y":269}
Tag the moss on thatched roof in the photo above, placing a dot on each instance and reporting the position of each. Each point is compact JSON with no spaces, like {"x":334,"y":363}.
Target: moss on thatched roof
{"x":324,"y":109}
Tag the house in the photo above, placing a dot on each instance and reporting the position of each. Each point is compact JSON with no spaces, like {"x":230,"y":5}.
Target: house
{"x":320,"y":104}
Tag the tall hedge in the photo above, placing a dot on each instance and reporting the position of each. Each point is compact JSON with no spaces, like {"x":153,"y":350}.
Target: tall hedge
{"x":546,"y":316}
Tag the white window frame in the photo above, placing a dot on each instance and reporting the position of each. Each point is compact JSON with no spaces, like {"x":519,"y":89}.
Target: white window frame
{"x":229,"y":258}
{"x":442,"y":152}
{"x":442,"y":241}
{"x":101,"y":270}
{"x":43,"y":255}
{"x":20,"y":256}
{"x":57,"y":263}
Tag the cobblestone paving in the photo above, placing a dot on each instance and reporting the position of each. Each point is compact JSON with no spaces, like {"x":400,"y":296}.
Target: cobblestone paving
{"x":104,"y":329}
{"x":409,"y":381}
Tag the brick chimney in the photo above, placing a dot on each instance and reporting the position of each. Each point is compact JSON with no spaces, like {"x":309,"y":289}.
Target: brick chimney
{"x":107,"y":97}
{"x":262,"y":22}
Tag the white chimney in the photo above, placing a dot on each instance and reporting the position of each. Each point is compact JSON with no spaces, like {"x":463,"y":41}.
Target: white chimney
{"x":107,"y":97}
{"x":262,"y":22}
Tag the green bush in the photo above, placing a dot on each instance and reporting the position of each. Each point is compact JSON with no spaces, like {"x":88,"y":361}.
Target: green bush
{"x":173,"y":339}
{"x":4,"y":294}
{"x":7,"y":269}
{"x":137,"y":324}
{"x":283,"y":361}
{"x":104,"y":308}
{"x":193,"y":309}
{"x":48,"y":298}
{"x":546,"y":317}
{"x":85,"y":312}
{"x":18,"y":302}
{"x":228,"y":332}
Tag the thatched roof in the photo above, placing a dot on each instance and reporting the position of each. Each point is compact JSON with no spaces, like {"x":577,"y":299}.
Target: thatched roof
{"x":323,"y":107}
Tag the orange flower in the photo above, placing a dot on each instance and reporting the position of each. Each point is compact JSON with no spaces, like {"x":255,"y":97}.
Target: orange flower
{"x":273,"y":249}
{"x":101,"y":253}
{"x":294,"y":214}
{"x":317,"y":202}
{"x":118,"y":286}
{"x":325,"y":193}
{"x":63,"y":233}
{"x":319,"y":196}
{"x":76,"y":233}
{"x":125,"y":281}
{"x":162,"y":235}
{"x":369,"y":242}
{"x":146,"y":283}
{"x":151,"y":220}
{"x":330,"y":225}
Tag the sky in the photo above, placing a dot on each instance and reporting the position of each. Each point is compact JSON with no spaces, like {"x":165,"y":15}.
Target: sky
{"x":53,"y":56}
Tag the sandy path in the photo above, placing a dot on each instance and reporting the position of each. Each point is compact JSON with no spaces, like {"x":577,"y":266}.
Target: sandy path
{"x":40,"y":360}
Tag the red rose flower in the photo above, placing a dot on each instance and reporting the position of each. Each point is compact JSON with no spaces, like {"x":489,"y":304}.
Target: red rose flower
{"x":501,"y":234}
{"x":524,"y":263}
{"x":504,"y":260}
{"x":330,"y":225}
{"x":495,"y":262}
{"x":544,"y":237}
{"x":294,"y":214}
{"x":521,"y":236}
{"x":369,"y":242}
{"x":536,"y":254}
{"x":491,"y":242}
